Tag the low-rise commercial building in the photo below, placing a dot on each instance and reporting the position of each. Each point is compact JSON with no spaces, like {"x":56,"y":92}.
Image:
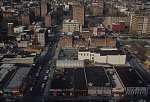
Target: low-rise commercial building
{"x":16,"y":82}
{"x":26,"y":60}
{"x":70,"y":64}
{"x":120,"y":26}
{"x":98,"y":82}
{"x":6,"y":73}
{"x":103,"y":56}
{"x":131,"y":81}
{"x":69,"y":82}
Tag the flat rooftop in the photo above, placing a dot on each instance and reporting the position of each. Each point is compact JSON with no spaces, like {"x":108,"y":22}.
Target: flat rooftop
{"x":129,"y":77}
{"x":3,"y":73}
{"x":109,"y":52}
{"x":70,"y":79}
{"x":18,"y":78}
{"x":104,"y":52}
{"x":69,"y":55}
{"x":97,"y":76}
{"x":7,"y":77}
{"x":8,"y":66}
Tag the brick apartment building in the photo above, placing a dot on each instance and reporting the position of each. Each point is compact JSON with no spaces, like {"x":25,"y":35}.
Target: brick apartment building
{"x":44,"y":8}
{"x":112,"y":11}
{"x":47,"y":19}
{"x":38,"y":11}
{"x":97,"y":11}
{"x":27,"y":18}
{"x":66,"y":42}
{"x":103,"y":41}
{"x":80,"y":43}
{"x":78,"y":14}
{"x":140,"y":24}
{"x":86,"y":35}
{"x":97,"y":8}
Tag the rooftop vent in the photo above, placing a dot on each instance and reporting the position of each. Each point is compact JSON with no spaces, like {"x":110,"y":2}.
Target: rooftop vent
{"x":139,"y":81}
{"x":130,"y":70}
{"x":90,"y":84}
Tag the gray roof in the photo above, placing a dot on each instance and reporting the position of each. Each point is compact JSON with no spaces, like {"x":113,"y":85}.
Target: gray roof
{"x":70,"y":63}
{"x":19,"y":77}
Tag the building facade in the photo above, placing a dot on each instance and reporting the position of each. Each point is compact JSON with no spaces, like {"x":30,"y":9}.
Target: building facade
{"x":71,"y":26}
{"x":42,"y":36}
{"x":120,"y":26}
{"x":103,"y":56}
{"x":48,"y":20}
{"x":131,"y":81}
{"x":27,"y":18}
{"x":140,"y":24}
{"x":109,"y":20}
{"x":66,"y":42}
{"x":103,"y":41}
{"x":78,"y":14}
{"x":97,"y":8}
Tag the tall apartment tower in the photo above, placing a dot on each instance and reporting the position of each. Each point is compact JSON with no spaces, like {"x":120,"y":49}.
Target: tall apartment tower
{"x":78,"y":14}
{"x":140,"y":24}
{"x":27,"y":18}
{"x":97,"y":8}
{"x":38,"y":10}
{"x":45,"y":7}
{"x":48,"y":20}
{"x":100,"y":3}
{"x":47,"y":1}
{"x":42,"y":36}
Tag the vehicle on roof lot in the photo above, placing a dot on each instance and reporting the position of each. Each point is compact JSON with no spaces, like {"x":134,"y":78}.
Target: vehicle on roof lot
{"x":42,"y":87}
{"x":37,"y":74}
{"x":31,"y":88}
{"x":112,"y":100}
{"x":47,"y":71}
{"x":43,"y":84}
{"x":141,"y":100}
{"x":45,"y":78}
{"x":40,"y":68}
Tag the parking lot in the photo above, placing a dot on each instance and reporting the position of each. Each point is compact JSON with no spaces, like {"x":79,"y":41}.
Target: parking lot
{"x":68,"y":55}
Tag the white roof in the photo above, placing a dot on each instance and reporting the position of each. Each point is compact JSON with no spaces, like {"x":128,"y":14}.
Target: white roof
{"x":3,"y":73}
{"x":38,"y":29}
{"x":33,"y":54}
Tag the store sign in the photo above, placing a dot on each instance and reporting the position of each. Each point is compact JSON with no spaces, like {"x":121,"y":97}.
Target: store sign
{"x":14,"y":90}
{"x":7,"y":90}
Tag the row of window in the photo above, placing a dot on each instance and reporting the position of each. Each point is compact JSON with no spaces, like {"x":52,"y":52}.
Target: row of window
{"x":85,"y":54}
